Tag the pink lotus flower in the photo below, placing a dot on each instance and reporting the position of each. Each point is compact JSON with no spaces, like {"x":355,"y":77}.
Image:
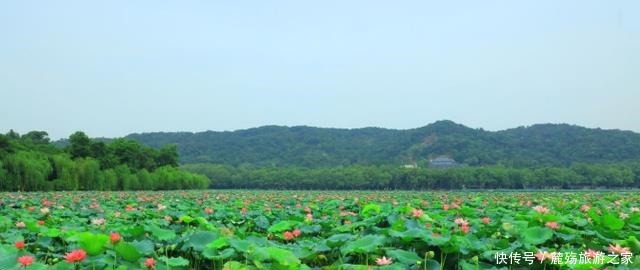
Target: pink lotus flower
{"x":296,"y":233}
{"x":486,"y":220}
{"x":150,"y":263}
{"x":465,"y":228}
{"x":25,"y":260}
{"x":19,"y":244}
{"x":46,"y":203}
{"x":590,"y":253}
{"x":384,"y":261}
{"x":288,"y":235}
{"x":416,"y":213}
{"x":77,"y":255}
{"x":618,"y":249}
{"x":552,"y":224}
{"x":461,"y":221}
{"x":98,"y":221}
{"x":541,"y":209}
{"x":20,"y":224}
{"x":585,"y":208}
{"x":114,"y":237}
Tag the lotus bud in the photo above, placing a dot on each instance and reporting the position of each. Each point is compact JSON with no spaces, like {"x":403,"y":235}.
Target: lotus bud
{"x":430,"y":254}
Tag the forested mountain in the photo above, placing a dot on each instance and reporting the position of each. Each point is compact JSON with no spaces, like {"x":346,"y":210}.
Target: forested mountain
{"x":537,"y":145}
{"x":540,"y":156}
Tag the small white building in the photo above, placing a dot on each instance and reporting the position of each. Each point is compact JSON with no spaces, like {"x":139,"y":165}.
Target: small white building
{"x":443,"y":162}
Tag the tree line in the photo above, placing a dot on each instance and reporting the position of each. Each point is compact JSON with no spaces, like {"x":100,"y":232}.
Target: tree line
{"x":577,"y":176}
{"x":30,"y":162}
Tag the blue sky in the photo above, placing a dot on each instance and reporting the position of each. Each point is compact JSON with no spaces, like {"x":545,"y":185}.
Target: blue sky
{"x":115,"y":67}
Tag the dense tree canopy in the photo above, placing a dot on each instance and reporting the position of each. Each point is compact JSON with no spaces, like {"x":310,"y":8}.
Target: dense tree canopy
{"x":626,"y":175}
{"x":30,"y":163}
{"x":534,"y":146}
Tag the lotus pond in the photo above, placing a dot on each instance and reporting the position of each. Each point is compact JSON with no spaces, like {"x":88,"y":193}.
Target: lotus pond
{"x":233,"y":229}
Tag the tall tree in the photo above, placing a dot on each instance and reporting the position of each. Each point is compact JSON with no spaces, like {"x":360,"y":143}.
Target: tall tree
{"x":37,"y":137}
{"x":168,"y":156}
{"x":13,"y":135}
{"x":79,"y":145}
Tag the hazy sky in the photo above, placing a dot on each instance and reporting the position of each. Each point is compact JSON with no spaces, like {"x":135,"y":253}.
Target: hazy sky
{"x":111,"y":68}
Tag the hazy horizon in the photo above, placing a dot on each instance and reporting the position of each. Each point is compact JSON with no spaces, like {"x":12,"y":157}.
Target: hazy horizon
{"x":111,"y":69}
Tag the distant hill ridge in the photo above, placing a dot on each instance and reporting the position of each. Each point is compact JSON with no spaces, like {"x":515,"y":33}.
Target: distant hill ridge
{"x":536,"y":145}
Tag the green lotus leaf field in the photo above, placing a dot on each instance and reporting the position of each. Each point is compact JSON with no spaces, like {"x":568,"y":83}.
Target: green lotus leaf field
{"x":234,"y":229}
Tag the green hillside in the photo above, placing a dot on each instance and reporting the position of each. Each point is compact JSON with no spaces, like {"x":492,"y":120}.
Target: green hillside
{"x":537,"y":145}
